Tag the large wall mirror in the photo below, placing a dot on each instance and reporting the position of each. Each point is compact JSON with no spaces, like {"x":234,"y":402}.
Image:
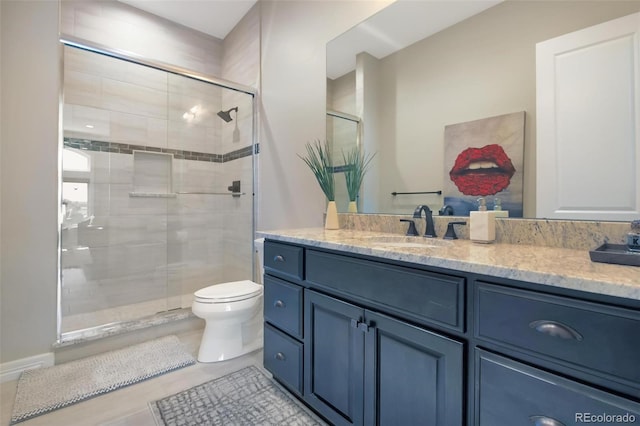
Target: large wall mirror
{"x":474,"y":60}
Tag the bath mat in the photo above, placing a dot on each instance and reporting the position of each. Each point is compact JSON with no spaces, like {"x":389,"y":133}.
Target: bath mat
{"x":245,"y":397}
{"x":46,"y":389}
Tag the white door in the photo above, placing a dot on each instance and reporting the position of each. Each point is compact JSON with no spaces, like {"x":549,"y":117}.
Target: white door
{"x":588,"y":125}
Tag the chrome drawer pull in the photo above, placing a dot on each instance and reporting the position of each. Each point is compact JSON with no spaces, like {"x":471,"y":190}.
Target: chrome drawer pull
{"x":279,"y":356}
{"x":278,"y":258}
{"x":555,"y":329}
{"x":279,"y":304}
{"x":544,"y":421}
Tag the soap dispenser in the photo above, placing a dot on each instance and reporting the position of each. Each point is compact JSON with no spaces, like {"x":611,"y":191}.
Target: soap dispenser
{"x":497,"y":208}
{"x":482,"y":224}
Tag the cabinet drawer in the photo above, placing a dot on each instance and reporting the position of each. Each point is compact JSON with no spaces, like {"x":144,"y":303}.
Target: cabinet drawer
{"x":283,"y":358}
{"x":283,"y":305}
{"x":283,"y":260}
{"x":421,"y":296}
{"x":511,"y":393}
{"x":596,"y":338}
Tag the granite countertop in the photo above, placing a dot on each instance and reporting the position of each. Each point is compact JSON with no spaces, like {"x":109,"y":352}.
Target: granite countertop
{"x":558,"y":267}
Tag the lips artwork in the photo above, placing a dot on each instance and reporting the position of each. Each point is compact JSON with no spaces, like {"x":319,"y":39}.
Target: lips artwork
{"x":482,"y":171}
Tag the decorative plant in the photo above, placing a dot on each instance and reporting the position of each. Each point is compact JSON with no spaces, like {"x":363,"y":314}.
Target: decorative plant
{"x":320,"y":162}
{"x":356,"y":165}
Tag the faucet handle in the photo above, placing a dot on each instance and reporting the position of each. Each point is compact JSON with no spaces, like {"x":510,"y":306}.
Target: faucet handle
{"x":451,"y":233}
{"x":412,"y":231}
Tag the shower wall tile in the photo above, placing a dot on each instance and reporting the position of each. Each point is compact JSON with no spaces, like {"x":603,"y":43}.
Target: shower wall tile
{"x":123,"y":27}
{"x":82,"y":89}
{"x":241,"y":50}
{"x":123,"y":261}
{"x":198,"y":176}
{"x":133,"y":99}
{"x":186,"y":94}
{"x":138,"y":130}
{"x":129,"y":230}
{"x":121,"y":203}
{"x":134,"y":288}
{"x":110,"y":167}
{"x":185,"y":136}
{"x":185,"y":228}
{"x":77,"y":60}
{"x":100,"y":198}
{"x":135,"y":229}
{"x":193,"y":204}
{"x":188,"y":278}
{"x":86,"y":122}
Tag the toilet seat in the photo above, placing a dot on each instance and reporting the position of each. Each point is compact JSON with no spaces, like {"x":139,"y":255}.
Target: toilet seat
{"x":228,"y":292}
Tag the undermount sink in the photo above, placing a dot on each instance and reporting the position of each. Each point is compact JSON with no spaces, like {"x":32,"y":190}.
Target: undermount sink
{"x":406,"y":242}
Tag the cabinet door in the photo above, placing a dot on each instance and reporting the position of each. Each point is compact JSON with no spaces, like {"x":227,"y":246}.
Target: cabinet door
{"x":333,"y":358}
{"x":588,"y":109}
{"x":412,"y":376}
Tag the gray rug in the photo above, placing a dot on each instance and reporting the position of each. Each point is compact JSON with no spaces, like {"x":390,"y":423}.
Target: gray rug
{"x":46,"y":389}
{"x":245,"y":397}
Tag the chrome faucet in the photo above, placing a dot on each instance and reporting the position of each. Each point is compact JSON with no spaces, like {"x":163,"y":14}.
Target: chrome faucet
{"x":429,"y":230}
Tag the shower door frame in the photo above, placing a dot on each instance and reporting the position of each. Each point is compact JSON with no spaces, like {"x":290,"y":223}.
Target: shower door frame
{"x":71,"y":41}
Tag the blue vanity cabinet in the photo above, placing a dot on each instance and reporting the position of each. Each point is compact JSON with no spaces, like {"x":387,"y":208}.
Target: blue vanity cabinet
{"x":283,"y":330}
{"x":366,"y":368}
{"x":368,"y":341}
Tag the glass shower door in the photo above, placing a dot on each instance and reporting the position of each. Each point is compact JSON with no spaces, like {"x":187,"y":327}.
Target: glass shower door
{"x":210,"y":222}
{"x":157,"y":189}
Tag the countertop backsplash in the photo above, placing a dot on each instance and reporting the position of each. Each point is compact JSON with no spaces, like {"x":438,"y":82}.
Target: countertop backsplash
{"x":578,"y":235}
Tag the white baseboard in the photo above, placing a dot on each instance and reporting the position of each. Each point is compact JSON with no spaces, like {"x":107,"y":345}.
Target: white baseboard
{"x":11,"y":370}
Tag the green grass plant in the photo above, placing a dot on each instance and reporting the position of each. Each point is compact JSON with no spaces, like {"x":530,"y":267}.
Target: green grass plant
{"x":320,"y":162}
{"x":356,"y":163}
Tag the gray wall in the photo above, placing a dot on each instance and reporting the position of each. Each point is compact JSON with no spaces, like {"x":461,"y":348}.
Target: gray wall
{"x":29,"y":177}
{"x":294,"y":38}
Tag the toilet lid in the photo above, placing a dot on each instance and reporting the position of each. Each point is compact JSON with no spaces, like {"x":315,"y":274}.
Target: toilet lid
{"x":228,"y":292}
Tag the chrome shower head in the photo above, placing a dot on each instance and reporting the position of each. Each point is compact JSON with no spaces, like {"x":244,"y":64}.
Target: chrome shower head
{"x":226,"y":115}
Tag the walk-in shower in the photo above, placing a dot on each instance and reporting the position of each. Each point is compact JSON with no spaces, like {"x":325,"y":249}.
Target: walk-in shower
{"x":148,"y":215}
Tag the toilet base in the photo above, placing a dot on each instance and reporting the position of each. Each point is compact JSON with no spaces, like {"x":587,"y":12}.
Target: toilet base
{"x":220,"y":343}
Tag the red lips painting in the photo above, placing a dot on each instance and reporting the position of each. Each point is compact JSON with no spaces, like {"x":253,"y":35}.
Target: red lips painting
{"x":485,"y":158}
{"x":482,"y":171}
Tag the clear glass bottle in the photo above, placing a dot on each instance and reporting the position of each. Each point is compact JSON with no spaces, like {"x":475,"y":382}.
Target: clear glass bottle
{"x":633,"y":237}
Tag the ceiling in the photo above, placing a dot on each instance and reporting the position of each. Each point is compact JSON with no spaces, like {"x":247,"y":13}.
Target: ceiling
{"x":397,"y":26}
{"x":214,"y":17}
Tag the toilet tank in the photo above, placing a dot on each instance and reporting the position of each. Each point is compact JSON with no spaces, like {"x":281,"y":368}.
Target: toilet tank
{"x":258,"y":249}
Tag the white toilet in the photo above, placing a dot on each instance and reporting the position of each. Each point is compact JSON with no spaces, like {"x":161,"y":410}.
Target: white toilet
{"x":233,"y":316}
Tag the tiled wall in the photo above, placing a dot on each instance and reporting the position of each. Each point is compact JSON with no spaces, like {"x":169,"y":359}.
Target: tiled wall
{"x":136,"y":247}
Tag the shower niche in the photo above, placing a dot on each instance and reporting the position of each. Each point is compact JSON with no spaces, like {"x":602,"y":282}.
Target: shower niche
{"x":147,"y":216}
{"x":152,"y":174}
